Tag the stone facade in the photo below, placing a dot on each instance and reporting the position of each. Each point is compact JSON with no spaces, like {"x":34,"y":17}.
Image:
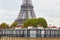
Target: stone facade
{"x":18,"y":38}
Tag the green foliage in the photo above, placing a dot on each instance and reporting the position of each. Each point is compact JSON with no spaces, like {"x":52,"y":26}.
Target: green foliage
{"x":42,"y":21}
{"x":35,"y":22}
{"x":14,"y":24}
{"x":4,"y":25}
{"x":30,"y":22}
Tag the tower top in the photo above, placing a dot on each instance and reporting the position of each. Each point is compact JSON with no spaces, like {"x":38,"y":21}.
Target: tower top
{"x":27,"y":2}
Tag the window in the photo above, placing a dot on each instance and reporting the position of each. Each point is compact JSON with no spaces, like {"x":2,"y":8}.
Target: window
{"x":32,"y":33}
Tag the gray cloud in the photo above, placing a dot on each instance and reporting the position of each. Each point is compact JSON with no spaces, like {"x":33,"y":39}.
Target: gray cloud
{"x":43,"y":8}
{"x":50,"y":8}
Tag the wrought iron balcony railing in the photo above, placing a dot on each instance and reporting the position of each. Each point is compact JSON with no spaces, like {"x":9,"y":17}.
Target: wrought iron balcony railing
{"x":33,"y":33}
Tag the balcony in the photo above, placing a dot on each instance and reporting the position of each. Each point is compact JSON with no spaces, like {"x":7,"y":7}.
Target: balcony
{"x":31,"y":33}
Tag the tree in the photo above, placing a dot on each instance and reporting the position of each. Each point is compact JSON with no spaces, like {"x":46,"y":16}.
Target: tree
{"x":34,"y":22}
{"x":42,"y":21}
{"x":30,"y":22}
{"x":4,"y":25}
{"x":14,"y":24}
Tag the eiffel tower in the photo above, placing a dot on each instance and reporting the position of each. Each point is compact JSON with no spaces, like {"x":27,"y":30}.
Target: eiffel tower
{"x":26,"y":12}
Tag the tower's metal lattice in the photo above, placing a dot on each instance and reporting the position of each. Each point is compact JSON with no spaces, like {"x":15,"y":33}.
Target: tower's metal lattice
{"x":26,"y":12}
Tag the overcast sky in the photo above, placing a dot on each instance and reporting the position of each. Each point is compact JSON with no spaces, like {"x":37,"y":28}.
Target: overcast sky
{"x":49,"y":9}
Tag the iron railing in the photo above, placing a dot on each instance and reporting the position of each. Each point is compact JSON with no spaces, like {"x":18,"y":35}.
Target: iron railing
{"x":34,"y":33}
